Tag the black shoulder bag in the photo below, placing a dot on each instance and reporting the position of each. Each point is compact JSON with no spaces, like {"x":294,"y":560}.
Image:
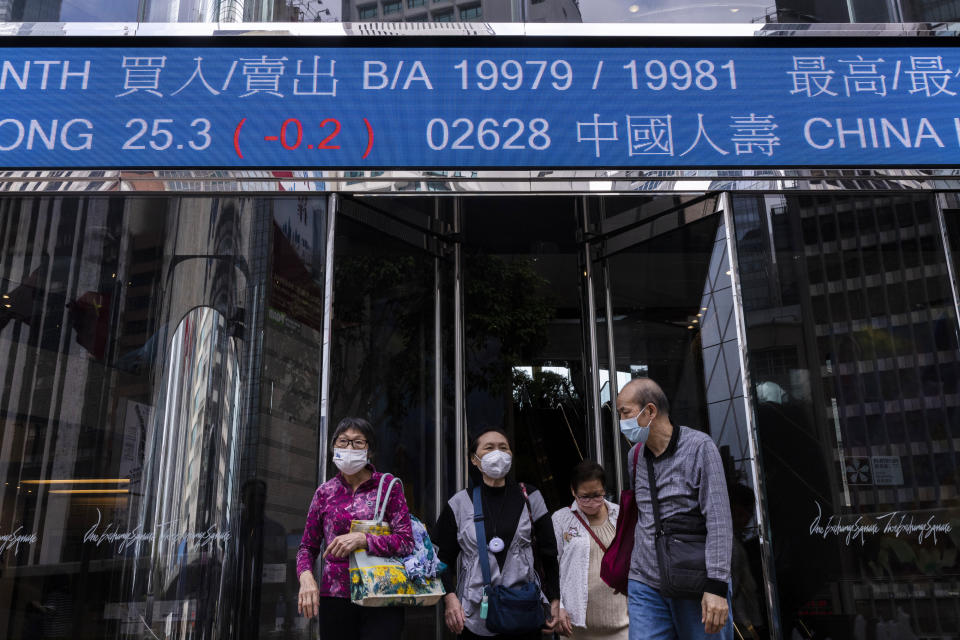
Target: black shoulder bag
{"x":681,"y":542}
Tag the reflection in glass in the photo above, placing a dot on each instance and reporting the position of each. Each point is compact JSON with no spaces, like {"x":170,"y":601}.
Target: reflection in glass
{"x":854,"y":357}
{"x":179,"y":10}
{"x":671,"y":305}
{"x":93,"y":290}
{"x":384,"y":348}
{"x":287,"y":449}
{"x":190,"y":467}
{"x":462,"y":11}
{"x":524,"y":364}
{"x":67,"y":11}
{"x":790,"y":12}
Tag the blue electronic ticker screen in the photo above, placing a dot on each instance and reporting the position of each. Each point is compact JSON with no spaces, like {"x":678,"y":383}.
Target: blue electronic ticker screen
{"x":478,"y":106}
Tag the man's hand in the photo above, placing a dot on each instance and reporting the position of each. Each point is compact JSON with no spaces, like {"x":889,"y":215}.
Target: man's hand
{"x":343,"y":545}
{"x":714,"y":612}
{"x":308,"y":600}
{"x":453,"y":615}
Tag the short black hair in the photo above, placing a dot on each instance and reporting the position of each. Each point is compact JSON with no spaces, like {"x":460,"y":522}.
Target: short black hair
{"x":585,"y":472}
{"x":476,"y":478}
{"x":475,"y":441}
{"x":360,"y":425}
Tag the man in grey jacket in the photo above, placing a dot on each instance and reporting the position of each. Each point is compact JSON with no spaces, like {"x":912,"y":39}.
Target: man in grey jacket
{"x":689,"y":477}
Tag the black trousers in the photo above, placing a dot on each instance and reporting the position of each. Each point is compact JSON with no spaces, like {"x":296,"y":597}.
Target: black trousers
{"x":340,"y":619}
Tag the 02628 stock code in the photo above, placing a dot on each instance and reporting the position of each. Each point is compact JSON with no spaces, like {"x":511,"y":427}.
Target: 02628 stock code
{"x":488,"y":134}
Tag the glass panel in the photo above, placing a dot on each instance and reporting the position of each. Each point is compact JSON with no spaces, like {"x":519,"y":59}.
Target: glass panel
{"x":857,"y":409}
{"x":383,"y":350}
{"x":124,"y":341}
{"x":555,"y":11}
{"x":524,"y":369}
{"x":609,"y":433}
{"x":673,"y":322}
{"x":930,"y":10}
{"x":952,"y":219}
{"x":286,"y":451}
{"x":190,"y":470}
{"x":59,"y":11}
{"x":559,"y":11}
{"x":471,"y":13}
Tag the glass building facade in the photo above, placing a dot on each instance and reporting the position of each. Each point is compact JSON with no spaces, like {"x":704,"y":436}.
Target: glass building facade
{"x":176,"y":345}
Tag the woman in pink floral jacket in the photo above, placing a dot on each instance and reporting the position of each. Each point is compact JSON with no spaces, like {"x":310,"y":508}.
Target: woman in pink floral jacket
{"x":350,"y":495}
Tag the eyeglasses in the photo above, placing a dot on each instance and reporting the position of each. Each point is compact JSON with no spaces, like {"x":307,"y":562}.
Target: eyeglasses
{"x":593,"y":497}
{"x":356,"y":443}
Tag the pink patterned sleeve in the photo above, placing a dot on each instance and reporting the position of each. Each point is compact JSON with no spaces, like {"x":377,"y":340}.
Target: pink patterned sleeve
{"x":400,"y":542}
{"x":312,"y":541}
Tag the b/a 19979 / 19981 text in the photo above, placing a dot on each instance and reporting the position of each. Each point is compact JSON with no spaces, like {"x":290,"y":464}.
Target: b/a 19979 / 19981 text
{"x":653,"y":74}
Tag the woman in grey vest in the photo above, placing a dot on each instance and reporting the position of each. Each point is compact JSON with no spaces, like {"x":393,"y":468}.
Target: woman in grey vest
{"x":509,"y":540}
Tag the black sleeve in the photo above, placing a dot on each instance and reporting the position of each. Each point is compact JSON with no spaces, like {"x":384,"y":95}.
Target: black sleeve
{"x":547,"y":545}
{"x":444,"y":538}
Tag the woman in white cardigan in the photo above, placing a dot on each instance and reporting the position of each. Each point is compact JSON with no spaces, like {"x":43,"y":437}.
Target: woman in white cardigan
{"x":589,"y":609}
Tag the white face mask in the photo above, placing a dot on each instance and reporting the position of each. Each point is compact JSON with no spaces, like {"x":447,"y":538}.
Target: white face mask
{"x":495,"y":464}
{"x":349,"y":461}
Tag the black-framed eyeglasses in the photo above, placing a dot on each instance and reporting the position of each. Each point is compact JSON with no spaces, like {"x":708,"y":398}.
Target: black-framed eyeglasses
{"x":593,"y":497}
{"x":356,"y":443}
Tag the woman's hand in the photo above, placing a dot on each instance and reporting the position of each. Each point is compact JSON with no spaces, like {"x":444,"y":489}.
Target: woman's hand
{"x":553,"y":622}
{"x":341,"y":546}
{"x":308,"y":600}
{"x":453,"y":615}
{"x":563,"y":625}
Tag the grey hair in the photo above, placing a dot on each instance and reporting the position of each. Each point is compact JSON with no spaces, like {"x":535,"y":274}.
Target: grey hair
{"x":646,"y":391}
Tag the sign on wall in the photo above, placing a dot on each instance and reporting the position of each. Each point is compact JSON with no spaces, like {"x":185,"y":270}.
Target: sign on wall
{"x":484,"y":103}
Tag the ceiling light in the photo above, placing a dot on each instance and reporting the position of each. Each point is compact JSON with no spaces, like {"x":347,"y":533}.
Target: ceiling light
{"x":699,"y":315}
{"x":634,"y":8}
{"x":91,"y":491}
{"x":729,"y":272}
{"x":695,"y":321}
{"x":690,"y":327}
{"x":80,"y":481}
{"x":734,"y":10}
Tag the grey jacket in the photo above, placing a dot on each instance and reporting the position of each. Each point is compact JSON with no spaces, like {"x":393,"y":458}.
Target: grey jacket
{"x":517,"y":569}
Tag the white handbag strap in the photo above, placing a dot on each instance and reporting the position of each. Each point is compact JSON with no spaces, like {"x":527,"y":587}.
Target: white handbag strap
{"x":380,"y":509}
{"x":376,"y":505}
